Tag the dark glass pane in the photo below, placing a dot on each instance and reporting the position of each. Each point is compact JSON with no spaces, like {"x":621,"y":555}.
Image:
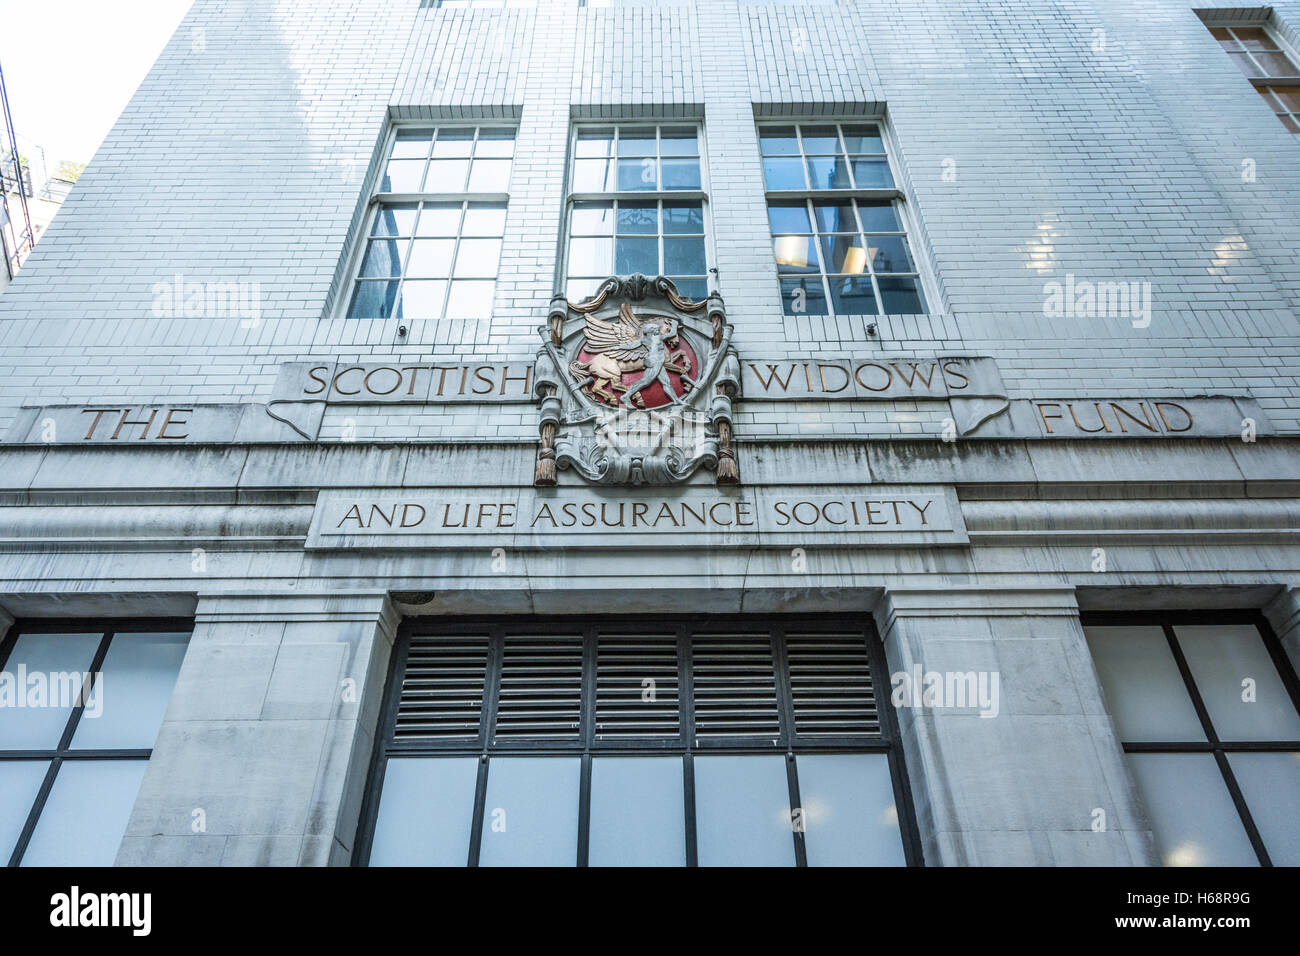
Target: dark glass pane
{"x":412,"y":144}
{"x":373,"y":300}
{"x":872,"y":173}
{"x":878,"y":217}
{"x":495,"y":142}
{"x":683,"y":217}
{"x":788,"y":217}
{"x":863,"y":139}
{"x":844,"y":254}
{"x":795,"y":254}
{"x":1275,"y":64}
{"x":803,"y":297}
{"x":636,"y":255}
{"x":641,"y":218}
{"x":820,"y":139}
{"x":835,"y":217}
{"x":394,"y":221}
{"x":1254,"y":38}
{"x":828,"y":172}
{"x":383,"y":258}
{"x":901,"y":296}
{"x":638,"y":141}
{"x":453,"y":143}
{"x":594,"y":142}
{"x":783,"y":173}
{"x":852,"y":295}
{"x":888,"y":254}
{"x":637,"y":174}
{"x":778,"y":141}
{"x":684,"y":255}
{"x":681,"y":173}
{"x":678,"y":141}
{"x":694,"y":289}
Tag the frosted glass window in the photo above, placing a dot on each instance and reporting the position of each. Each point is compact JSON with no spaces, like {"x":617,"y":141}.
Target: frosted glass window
{"x":130,"y":696}
{"x":1145,"y":693}
{"x":637,"y":812}
{"x":742,"y":806}
{"x":1221,"y":657}
{"x":1270,"y":782}
{"x":19,"y":781}
{"x":86,"y":814}
{"x":531,"y":814}
{"x":39,"y":686}
{"x":1192,"y":814}
{"x":849,"y":816}
{"x":426,"y":813}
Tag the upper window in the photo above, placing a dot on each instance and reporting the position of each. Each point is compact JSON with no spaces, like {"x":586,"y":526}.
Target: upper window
{"x":1208,"y":717}
{"x":1258,"y":54}
{"x":436,"y":223}
{"x":841,"y":248}
{"x":636,"y":204}
{"x":664,"y":742}
{"x":79,"y":711}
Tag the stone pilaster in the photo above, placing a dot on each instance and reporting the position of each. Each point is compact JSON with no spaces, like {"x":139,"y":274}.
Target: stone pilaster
{"x":1023,"y":785}
{"x":263,"y":754}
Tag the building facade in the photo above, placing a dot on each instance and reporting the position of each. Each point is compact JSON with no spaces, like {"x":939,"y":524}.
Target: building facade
{"x":698,"y":432}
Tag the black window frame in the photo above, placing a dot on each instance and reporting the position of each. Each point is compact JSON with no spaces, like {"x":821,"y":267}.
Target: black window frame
{"x":788,"y":744}
{"x":107,"y":628}
{"x":1167,"y":621}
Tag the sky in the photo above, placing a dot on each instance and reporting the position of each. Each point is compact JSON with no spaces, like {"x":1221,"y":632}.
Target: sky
{"x":71,"y":66}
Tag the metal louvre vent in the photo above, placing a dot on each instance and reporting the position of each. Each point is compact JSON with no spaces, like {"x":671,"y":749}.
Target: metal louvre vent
{"x":636,"y":687}
{"x":735,"y":686}
{"x":442,"y":689}
{"x":831,"y":687}
{"x":541,"y":688}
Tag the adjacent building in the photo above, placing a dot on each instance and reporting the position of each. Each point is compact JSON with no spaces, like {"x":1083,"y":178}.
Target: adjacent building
{"x":683,"y":433}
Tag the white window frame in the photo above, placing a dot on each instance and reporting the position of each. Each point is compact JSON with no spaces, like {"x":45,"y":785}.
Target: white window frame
{"x":896,"y":195}
{"x":660,"y":196}
{"x":1262,"y":82}
{"x":378,"y":200}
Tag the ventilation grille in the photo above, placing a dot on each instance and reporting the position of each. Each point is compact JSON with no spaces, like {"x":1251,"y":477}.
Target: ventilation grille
{"x":541,"y":688}
{"x":636,"y":688}
{"x":735,"y":686}
{"x":831,"y":687}
{"x":442,"y":689}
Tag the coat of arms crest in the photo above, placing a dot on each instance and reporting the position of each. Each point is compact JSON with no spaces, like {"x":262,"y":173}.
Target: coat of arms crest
{"x":636,"y":385}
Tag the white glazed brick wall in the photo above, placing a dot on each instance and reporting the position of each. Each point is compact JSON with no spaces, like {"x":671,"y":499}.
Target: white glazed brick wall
{"x":247,"y":153}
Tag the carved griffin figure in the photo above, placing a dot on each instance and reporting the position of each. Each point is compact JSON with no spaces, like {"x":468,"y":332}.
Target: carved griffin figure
{"x":630,"y":345}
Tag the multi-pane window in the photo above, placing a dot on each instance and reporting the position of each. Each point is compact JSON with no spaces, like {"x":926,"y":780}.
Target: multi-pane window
{"x":835,"y":213}
{"x":1208,"y":717}
{"x":1274,"y":74}
{"x":636,"y":204}
{"x":434,"y":239}
{"x":79,"y":711}
{"x":637,"y":742}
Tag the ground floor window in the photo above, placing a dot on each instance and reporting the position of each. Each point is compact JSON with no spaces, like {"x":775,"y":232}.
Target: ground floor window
{"x":1208,"y":710}
{"x":622,"y":741}
{"x":80,"y":706}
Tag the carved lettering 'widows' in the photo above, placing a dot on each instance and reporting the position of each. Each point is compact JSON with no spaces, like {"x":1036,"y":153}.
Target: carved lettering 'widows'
{"x":832,"y":378}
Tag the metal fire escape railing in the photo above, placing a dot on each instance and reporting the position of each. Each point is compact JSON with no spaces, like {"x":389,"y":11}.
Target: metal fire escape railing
{"x":16,"y":234}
